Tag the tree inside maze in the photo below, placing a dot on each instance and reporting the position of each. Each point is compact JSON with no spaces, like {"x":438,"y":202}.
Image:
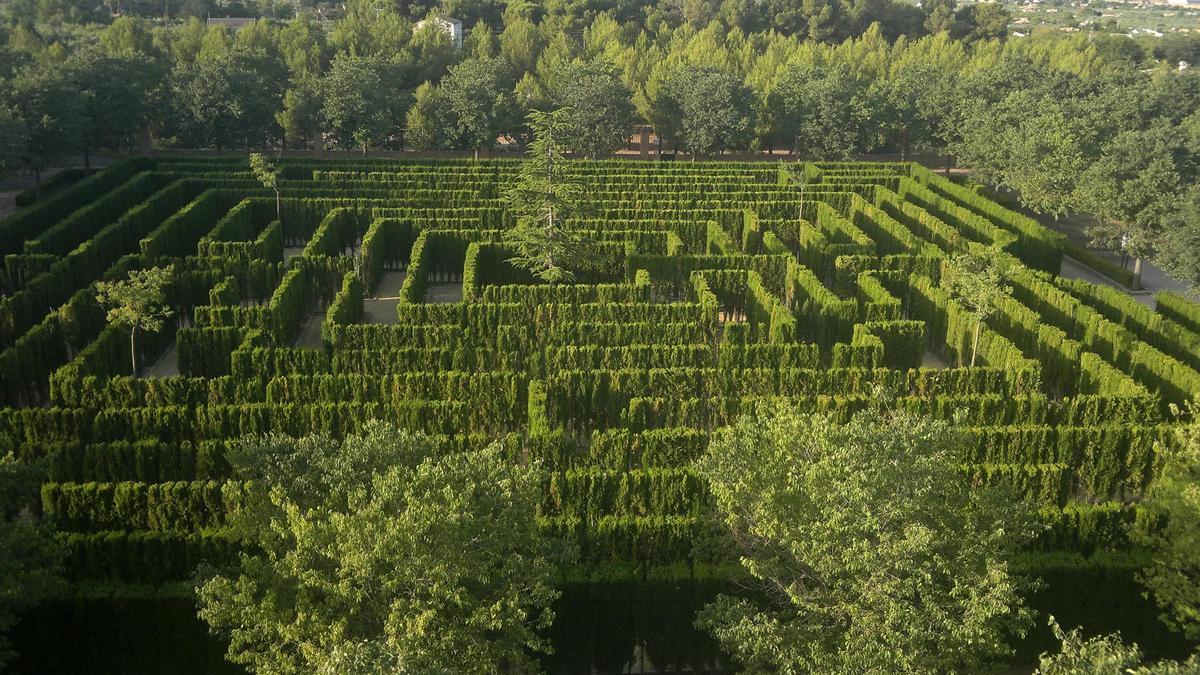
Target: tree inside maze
{"x":977,"y":280}
{"x":137,"y":303}
{"x":267,"y":173}
{"x":544,"y":197}
{"x":471,"y":592}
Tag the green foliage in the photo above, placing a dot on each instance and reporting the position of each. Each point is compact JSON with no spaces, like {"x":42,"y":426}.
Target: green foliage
{"x":1104,"y":655}
{"x":30,"y":560}
{"x":597,"y":104}
{"x":714,"y":288}
{"x":543,"y":198}
{"x":227,"y":99}
{"x":454,"y":553}
{"x":1132,"y":189}
{"x":266,"y":173}
{"x":706,"y":110}
{"x":868,"y":548}
{"x":47,"y":115}
{"x":976,"y":279}
{"x":1179,"y":248}
{"x":137,"y":303}
{"x":1173,"y":578}
{"x":479,"y":104}
{"x":363,"y":100}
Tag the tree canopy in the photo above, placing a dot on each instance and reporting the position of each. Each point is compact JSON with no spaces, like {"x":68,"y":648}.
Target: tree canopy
{"x":1172,"y":532}
{"x":383,"y":552}
{"x":869,"y":548}
{"x":137,"y":303}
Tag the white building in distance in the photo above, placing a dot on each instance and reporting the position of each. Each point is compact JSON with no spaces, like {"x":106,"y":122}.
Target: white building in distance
{"x":452,"y":27}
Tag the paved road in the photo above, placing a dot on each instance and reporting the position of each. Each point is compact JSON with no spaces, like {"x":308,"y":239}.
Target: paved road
{"x":1153,"y":279}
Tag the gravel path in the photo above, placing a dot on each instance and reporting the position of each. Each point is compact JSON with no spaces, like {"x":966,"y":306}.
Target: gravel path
{"x":443,"y":292}
{"x":382,"y":307}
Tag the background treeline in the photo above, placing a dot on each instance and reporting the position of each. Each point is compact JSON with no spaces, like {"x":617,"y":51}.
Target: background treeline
{"x":827,"y":78}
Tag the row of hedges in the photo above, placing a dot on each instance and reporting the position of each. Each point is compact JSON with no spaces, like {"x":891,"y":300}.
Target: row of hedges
{"x":180,"y":506}
{"x":147,"y":557}
{"x":206,"y":422}
{"x":598,"y":396}
{"x":655,"y":412}
{"x":591,"y":495}
{"x":28,"y":224}
{"x":1179,"y":309}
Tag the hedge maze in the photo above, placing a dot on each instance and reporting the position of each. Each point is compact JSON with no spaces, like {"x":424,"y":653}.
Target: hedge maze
{"x":381,"y":291}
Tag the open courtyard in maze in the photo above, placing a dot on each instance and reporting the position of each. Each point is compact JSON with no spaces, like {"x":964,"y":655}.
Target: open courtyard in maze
{"x":381,"y":290}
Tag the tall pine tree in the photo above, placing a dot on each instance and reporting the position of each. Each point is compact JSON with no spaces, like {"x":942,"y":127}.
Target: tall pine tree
{"x":543,"y":198}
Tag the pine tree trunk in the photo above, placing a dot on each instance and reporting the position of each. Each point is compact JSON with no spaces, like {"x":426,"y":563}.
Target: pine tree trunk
{"x":1137,"y":274}
{"x":278,"y":206}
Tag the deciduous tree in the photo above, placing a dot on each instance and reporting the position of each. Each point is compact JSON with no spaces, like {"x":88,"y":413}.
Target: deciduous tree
{"x":871,"y":550}
{"x":817,"y":111}
{"x":706,"y":109}
{"x":116,"y":94}
{"x":384,"y":552}
{"x":267,"y":173}
{"x":300,"y":118}
{"x":426,"y":122}
{"x":976,"y":279}
{"x":364,"y":103}
{"x":50,"y":111}
{"x":1172,"y":533}
{"x":229,"y":100}
{"x":137,"y":303}
{"x":1179,"y":250}
{"x":479,"y":103}
{"x":1104,"y":655}
{"x":1132,"y":189}
{"x":599,"y":108}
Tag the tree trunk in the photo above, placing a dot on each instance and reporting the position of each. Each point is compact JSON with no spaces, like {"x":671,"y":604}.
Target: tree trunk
{"x":975,"y":342}
{"x":133,"y":349}
{"x":1137,"y":274}
{"x":278,"y":205}
{"x":87,"y":158}
{"x":37,"y":183}
{"x":948,"y":158}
